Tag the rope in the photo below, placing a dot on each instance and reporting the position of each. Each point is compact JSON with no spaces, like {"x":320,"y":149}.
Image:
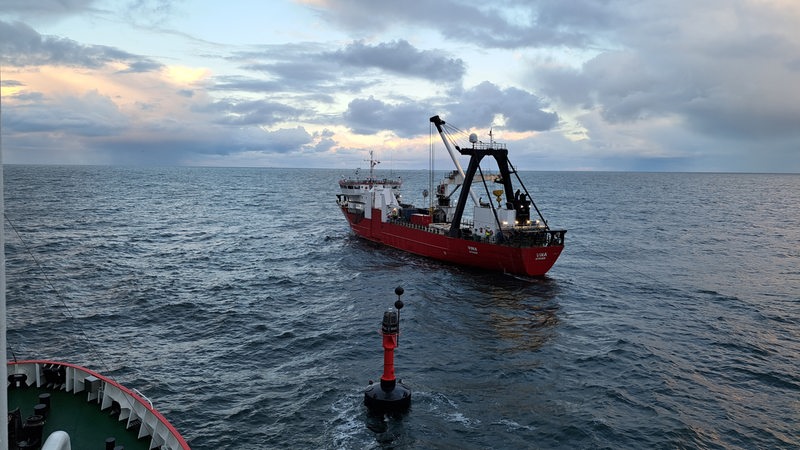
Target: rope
{"x":68,"y":312}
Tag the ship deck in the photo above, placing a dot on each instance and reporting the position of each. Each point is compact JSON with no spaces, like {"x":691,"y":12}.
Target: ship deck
{"x":87,"y":426}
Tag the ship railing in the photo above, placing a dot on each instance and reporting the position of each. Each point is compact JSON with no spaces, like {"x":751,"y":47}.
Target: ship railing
{"x":359,"y":184}
{"x":431,"y":228}
{"x":487,"y":146}
{"x":534,"y":238}
{"x":517,"y":238}
{"x":514,"y":237}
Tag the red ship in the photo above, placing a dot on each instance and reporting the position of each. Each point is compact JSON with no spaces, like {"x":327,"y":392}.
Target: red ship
{"x":498,"y":237}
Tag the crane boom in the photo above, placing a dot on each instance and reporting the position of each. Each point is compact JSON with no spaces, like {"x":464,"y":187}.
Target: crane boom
{"x":439,"y":122}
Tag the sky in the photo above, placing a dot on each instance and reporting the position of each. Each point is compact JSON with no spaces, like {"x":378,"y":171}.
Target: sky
{"x":621,"y":85}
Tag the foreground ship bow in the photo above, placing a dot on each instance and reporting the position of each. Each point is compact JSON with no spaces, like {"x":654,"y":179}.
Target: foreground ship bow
{"x":500,"y":235}
{"x":61,"y":406}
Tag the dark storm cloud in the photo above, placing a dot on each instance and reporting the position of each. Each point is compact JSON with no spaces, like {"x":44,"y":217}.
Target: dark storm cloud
{"x":23,"y":46}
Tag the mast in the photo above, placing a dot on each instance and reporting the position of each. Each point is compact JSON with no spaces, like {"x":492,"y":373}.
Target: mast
{"x":439,"y":122}
{"x":372,"y":163}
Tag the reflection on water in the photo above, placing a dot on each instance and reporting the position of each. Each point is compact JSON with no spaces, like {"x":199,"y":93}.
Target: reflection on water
{"x":523,"y":313}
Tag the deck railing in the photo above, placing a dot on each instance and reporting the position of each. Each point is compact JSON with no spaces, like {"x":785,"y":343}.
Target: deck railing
{"x":515,"y":237}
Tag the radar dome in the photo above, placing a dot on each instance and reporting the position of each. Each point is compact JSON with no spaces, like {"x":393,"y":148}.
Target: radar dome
{"x":473,"y":138}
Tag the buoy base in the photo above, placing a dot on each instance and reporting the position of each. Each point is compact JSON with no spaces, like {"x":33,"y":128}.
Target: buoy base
{"x":378,"y":400}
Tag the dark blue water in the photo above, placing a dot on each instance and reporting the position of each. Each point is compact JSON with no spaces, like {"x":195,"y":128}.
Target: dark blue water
{"x":239,"y":302}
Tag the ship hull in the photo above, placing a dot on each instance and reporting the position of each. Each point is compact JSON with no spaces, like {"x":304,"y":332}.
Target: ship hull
{"x":420,"y":240}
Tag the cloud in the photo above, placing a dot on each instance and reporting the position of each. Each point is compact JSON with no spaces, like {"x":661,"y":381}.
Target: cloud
{"x":294,"y":68}
{"x":521,"y":110}
{"x":140,"y":66}
{"x":510,"y":24}
{"x":46,"y":8}
{"x":307,"y":74}
{"x":252,"y":112}
{"x":245,"y":84}
{"x":23,"y":46}
{"x":401,"y":58}
{"x":11,"y":83}
{"x":88,"y":115}
{"x":311,"y":68}
{"x":371,"y":116}
{"x":149,"y":13}
{"x":479,"y":106}
{"x":323,"y":141}
{"x":732,"y":81}
{"x":285,"y":140}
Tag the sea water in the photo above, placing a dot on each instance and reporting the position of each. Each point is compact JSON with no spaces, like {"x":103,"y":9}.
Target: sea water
{"x":240,"y":303}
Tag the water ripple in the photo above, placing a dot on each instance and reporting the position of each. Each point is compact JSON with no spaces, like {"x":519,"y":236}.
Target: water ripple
{"x":238,"y":300}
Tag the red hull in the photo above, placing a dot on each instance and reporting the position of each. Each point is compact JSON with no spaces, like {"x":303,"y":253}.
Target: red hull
{"x":530,"y":261}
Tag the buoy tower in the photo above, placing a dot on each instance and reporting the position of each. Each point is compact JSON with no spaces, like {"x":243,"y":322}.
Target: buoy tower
{"x":391,"y":395}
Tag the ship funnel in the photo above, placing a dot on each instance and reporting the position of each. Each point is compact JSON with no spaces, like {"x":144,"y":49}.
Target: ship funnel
{"x":391,"y":395}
